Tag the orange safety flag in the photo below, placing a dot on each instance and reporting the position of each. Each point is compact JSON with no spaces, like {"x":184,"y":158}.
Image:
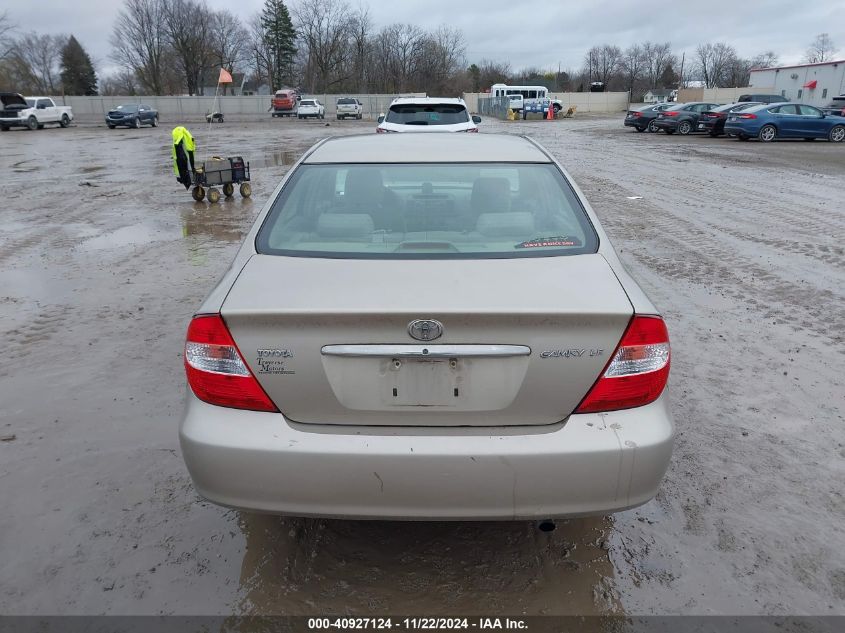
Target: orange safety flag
{"x":225,"y":77}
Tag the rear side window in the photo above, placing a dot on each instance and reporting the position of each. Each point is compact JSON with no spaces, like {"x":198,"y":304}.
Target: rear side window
{"x":427,"y":114}
{"x":430,"y":210}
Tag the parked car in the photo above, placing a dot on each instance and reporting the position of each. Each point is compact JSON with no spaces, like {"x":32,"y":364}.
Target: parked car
{"x":761,"y":98}
{"x":284,"y":102}
{"x":310,"y":108}
{"x":713,"y":121}
{"x":428,"y":114}
{"x":785,"y":120}
{"x":354,"y":363}
{"x":642,"y":119}
{"x":835,"y":107}
{"x":682,"y":117}
{"x":132,"y":115}
{"x":349,"y":107}
{"x":31,"y":112}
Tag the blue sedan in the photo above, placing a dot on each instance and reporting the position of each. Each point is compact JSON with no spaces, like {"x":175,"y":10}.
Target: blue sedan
{"x":785,"y":120}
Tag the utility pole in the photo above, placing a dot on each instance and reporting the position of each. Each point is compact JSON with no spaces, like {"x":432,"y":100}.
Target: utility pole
{"x":681,"y":76}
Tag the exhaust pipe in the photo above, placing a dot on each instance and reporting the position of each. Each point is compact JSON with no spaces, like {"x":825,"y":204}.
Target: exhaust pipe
{"x":546,"y":525}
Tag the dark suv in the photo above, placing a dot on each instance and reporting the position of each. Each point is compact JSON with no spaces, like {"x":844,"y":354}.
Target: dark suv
{"x":762,"y":98}
{"x":683,"y":118}
{"x":835,"y":107}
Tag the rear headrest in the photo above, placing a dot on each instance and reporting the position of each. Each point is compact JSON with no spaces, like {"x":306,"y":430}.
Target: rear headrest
{"x":363,"y":186}
{"x":345,"y":225}
{"x":516,"y":224}
{"x":491,"y":195}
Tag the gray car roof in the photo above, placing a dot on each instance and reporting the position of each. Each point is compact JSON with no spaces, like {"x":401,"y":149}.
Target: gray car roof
{"x":408,"y":147}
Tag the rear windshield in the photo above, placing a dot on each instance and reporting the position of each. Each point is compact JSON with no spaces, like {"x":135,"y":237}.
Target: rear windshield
{"x":306,"y":102}
{"x":347,"y":101}
{"x":431,"y":210}
{"x":427,"y":114}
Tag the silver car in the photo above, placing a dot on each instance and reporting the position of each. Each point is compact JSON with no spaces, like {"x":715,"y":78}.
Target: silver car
{"x":423,"y":327}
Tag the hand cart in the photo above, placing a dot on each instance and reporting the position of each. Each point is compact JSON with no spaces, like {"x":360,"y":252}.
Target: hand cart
{"x":226,"y":172}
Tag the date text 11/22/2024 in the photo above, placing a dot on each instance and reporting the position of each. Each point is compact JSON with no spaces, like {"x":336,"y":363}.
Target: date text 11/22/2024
{"x":416,"y":624}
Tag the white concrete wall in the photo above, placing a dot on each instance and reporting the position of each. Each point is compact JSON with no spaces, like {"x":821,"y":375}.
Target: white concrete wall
{"x":791,"y":79}
{"x":586,"y":101}
{"x":173,"y":108}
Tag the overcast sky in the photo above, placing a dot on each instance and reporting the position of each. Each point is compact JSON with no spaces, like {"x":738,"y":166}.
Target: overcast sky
{"x":527,"y":33}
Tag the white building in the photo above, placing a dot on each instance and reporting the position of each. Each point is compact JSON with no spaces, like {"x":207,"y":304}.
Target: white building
{"x":815,"y":84}
{"x":658,"y":95}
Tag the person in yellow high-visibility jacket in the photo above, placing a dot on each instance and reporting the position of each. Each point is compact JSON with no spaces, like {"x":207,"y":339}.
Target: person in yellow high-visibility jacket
{"x":183,"y":155}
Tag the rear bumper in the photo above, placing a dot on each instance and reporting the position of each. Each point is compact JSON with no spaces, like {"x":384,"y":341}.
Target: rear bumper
{"x":745,"y":129}
{"x":592,"y":464}
{"x":638,"y":123}
{"x":666,"y":124}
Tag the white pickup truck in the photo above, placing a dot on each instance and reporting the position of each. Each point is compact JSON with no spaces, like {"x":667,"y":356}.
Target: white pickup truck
{"x":349,"y":107}
{"x":31,"y":112}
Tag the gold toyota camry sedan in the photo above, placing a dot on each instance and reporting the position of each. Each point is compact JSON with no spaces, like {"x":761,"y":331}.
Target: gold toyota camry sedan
{"x":428,"y":327}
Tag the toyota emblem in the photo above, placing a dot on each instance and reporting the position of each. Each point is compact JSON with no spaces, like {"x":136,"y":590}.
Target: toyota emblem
{"x":425,"y":329}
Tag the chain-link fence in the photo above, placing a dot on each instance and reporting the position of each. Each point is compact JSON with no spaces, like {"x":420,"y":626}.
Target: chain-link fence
{"x":493,"y":106}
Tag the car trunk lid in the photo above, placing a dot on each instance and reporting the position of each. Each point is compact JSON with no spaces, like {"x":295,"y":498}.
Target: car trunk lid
{"x":523,"y":339}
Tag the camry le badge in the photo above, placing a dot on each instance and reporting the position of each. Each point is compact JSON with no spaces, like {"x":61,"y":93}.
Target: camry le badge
{"x":425,"y":329}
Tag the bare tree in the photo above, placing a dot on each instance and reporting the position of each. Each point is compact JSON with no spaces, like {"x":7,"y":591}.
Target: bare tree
{"x":188,"y":25}
{"x":124,"y":82}
{"x":713,"y":62}
{"x":260,"y":59}
{"x":228,"y":41}
{"x":766,"y":59}
{"x":33,"y":62}
{"x":491,"y":72}
{"x":139,"y":42}
{"x":737,"y":72}
{"x":656,"y":59}
{"x":442,"y":60}
{"x":821,"y":50}
{"x":602,"y":62}
{"x":360,"y":28}
{"x":324,"y":26}
{"x":633,"y":65}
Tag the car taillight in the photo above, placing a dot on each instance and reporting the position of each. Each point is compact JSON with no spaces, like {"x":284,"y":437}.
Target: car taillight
{"x":638,"y":371}
{"x":636,"y":114}
{"x":671,"y":113}
{"x":380,"y":131}
{"x":216,"y":370}
{"x":747,"y":116}
{"x":474,"y":129}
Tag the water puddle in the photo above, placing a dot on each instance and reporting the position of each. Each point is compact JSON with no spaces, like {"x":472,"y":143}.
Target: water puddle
{"x":274,"y":159}
{"x":131,"y":236}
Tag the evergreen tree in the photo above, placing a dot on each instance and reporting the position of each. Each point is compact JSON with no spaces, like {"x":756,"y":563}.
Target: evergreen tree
{"x":280,"y":40}
{"x":78,"y":76}
{"x":669,"y":78}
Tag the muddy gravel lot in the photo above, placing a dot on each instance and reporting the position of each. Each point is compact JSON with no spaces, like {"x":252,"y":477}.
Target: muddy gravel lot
{"x":104,"y":256}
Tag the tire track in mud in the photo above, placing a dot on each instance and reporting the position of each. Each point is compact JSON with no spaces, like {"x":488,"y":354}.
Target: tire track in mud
{"x":707,"y":260}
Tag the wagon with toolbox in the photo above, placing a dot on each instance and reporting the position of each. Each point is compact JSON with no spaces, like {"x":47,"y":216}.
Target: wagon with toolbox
{"x":222,"y":172}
